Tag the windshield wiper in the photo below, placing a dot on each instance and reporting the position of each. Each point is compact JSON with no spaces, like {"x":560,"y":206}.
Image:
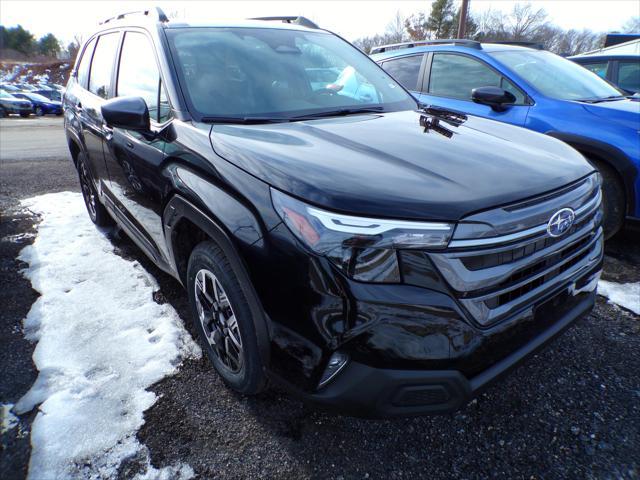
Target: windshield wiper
{"x":244,"y":120}
{"x":340,"y":113}
{"x":601,"y":99}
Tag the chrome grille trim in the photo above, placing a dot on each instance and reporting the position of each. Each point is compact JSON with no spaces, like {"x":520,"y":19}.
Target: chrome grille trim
{"x":464,"y":280}
{"x":586,"y":209}
{"x":496,"y":277}
{"x":486,"y":316}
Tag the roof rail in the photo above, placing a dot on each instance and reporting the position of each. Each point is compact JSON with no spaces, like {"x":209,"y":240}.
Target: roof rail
{"x":535,"y":45}
{"x":296,"y":20}
{"x":160,"y":16}
{"x":415,"y":43}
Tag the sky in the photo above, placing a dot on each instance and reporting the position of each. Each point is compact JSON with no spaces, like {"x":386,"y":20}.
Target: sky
{"x":349,"y":18}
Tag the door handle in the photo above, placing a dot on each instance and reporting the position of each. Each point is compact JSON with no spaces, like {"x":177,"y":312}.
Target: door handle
{"x":108,"y":131}
{"x":129,"y":144}
{"x":78,"y":107}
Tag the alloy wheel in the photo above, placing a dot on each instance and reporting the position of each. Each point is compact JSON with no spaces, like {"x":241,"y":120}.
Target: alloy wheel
{"x":87,"y":190}
{"x":218,"y":321}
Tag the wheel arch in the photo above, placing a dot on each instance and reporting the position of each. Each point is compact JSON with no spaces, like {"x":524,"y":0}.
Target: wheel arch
{"x":185,"y":226}
{"x":611,"y":156}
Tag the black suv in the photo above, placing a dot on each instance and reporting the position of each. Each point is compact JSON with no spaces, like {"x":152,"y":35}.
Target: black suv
{"x":333,"y":236}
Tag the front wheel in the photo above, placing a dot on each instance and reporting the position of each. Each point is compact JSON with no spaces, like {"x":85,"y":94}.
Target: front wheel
{"x":224,"y":319}
{"x":97,"y":212}
{"x":613,"y":199}
{"x":39,"y":111}
{"x":24,"y":114}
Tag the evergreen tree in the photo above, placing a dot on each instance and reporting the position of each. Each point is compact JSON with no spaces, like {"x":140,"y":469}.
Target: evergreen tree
{"x":49,"y":45}
{"x":441,"y":19}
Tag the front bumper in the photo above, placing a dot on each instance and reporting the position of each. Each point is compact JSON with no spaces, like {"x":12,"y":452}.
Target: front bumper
{"x":366,"y":391}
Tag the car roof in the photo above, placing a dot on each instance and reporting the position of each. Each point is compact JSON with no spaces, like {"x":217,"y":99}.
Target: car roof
{"x":589,"y":58}
{"x":241,"y":24}
{"x":484,"y":47}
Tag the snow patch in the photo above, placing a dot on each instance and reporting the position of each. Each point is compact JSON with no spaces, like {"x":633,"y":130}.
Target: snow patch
{"x":8,"y":420}
{"x":102,"y":341}
{"x":626,"y":295}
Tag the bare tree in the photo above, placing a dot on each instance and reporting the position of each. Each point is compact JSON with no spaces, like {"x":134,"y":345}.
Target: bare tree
{"x":396,"y":31}
{"x":416,"y":26}
{"x":573,"y":42}
{"x":632,"y":25}
{"x":367,"y":43}
{"x":525,"y":21}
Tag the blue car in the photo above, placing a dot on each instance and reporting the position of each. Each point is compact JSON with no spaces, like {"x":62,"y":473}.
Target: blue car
{"x":535,"y":89}
{"x":41,"y":104}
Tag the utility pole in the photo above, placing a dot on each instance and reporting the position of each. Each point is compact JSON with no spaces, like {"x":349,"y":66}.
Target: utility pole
{"x":462,"y":23}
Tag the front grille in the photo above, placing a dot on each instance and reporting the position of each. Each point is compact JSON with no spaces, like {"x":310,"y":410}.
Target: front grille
{"x":497,"y":276}
{"x":518,"y":292}
{"x":479,"y":262}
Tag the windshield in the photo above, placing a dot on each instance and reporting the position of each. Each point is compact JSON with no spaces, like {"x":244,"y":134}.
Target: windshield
{"x":555,"y":76}
{"x":4,"y":94}
{"x":267,"y":72}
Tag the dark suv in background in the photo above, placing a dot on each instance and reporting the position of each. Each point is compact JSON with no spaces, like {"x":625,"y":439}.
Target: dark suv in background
{"x":332,"y":237}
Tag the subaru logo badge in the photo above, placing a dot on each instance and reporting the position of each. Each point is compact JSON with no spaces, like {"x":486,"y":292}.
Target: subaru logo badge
{"x":560,"y":222}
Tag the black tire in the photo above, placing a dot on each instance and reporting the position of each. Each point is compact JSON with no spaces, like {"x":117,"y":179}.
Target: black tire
{"x":39,"y":112}
{"x":249,"y":378}
{"x":24,"y":114}
{"x":613,"y":199}
{"x":97,"y":212}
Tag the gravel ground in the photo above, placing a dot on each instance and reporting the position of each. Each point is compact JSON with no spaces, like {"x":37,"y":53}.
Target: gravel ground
{"x":572,"y":411}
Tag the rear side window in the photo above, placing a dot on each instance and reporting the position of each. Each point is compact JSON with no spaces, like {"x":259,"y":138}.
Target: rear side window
{"x":405,"y":70}
{"x":629,"y":75}
{"x":85,"y":61}
{"x":599,"y":68}
{"x":139,"y":76}
{"x":102,"y":64}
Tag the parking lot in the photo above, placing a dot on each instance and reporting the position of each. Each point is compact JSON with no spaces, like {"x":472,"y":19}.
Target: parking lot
{"x":571,"y":411}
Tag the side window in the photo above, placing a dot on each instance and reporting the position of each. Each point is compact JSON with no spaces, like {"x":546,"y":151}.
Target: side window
{"x":599,"y":68}
{"x":138,"y":75}
{"x":85,"y":61}
{"x":455,"y":76}
{"x":102,"y":64}
{"x":629,"y":75}
{"x":510,"y":87}
{"x":405,"y":70}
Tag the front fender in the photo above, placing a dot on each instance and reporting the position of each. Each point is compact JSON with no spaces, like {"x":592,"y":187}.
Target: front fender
{"x":615,"y":157}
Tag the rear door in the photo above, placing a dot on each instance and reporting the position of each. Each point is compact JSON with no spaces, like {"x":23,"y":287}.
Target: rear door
{"x":134,"y":159}
{"x":450,"y":78}
{"x":88,"y":102}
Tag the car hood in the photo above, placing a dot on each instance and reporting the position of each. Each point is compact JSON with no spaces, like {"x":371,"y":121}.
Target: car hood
{"x":388,"y":165}
{"x":626,"y":112}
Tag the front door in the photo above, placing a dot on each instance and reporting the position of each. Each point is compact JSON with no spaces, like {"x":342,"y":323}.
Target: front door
{"x":134,"y":159}
{"x":452,"y":78}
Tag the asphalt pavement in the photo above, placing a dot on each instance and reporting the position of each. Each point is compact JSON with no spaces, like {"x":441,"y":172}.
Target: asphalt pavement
{"x":571,"y":411}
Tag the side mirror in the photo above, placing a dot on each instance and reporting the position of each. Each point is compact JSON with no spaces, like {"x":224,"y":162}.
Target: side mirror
{"x":495,"y":97}
{"x":128,"y":113}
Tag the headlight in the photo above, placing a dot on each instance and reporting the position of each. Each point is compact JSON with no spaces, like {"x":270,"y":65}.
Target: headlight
{"x":364,"y":248}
